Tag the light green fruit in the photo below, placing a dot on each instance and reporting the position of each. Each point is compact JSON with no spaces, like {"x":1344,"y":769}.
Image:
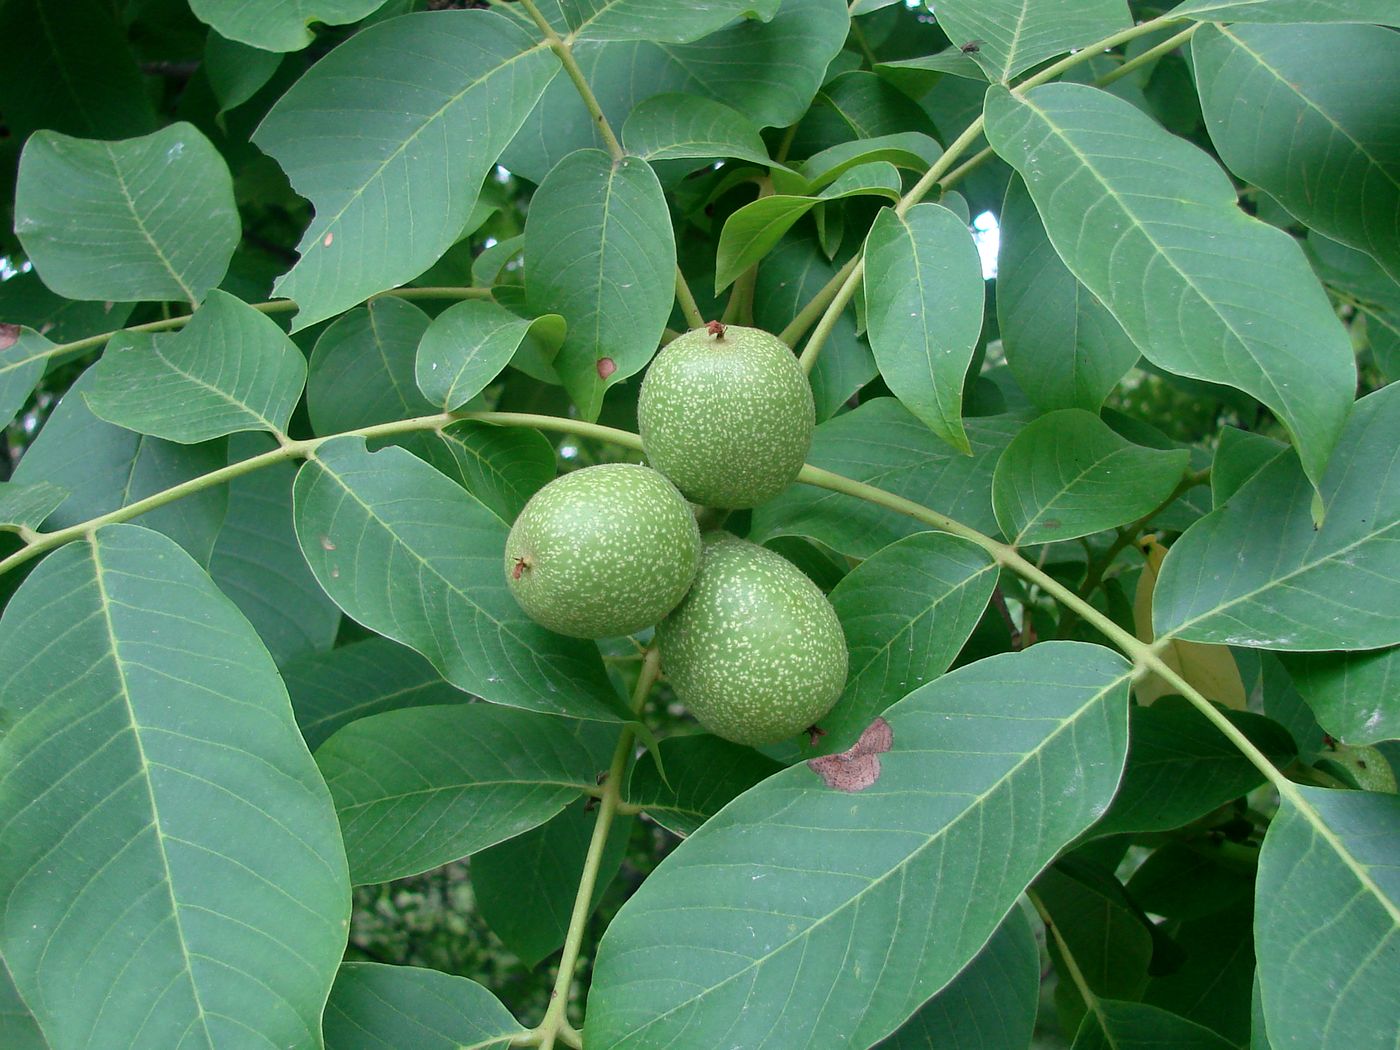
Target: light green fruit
{"x":727,"y":417}
{"x":602,"y":551}
{"x":755,"y":651}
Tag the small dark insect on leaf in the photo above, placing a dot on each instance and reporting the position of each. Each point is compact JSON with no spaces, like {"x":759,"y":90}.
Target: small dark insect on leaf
{"x":856,"y":768}
{"x":971,"y":47}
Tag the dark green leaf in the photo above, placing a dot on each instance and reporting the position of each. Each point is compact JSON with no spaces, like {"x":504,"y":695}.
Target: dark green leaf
{"x":1137,"y":1026}
{"x":1373,"y":293}
{"x":1230,"y":299}
{"x":25,"y":301}
{"x":1064,"y":348}
{"x":991,"y":1005}
{"x":675,"y":126}
{"x":23,"y":355}
{"x":1382,"y":11}
{"x":600,"y":252}
{"x":1238,"y":457}
{"x":421,"y":786}
{"x":858,"y":105}
{"x":768,"y":71}
{"x":1356,"y":696}
{"x":793,"y":913}
{"x":1068,"y":474}
{"x":26,"y":506}
{"x":1180,"y":767}
{"x":362,"y":370}
{"x":18,"y":1029}
{"x":390,"y":136}
{"x":152,"y":748}
{"x":467,"y":345}
{"x":906,"y":612}
{"x":229,"y":369}
{"x":412,"y":556}
{"x":501,"y":466}
{"x":1307,"y":114}
{"x":919,"y":75}
{"x":703,"y":774}
{"x":105,"y":467}
{"x":332,"y":689}
{"x":276,"y":25}
{"x":524,"y":887}
{"x":1327,"y":919}
{"x":1214,"y":983}
{"x":1194,"y":879}
{"x":1300,"y":587}
{"x":883,"y":444}
{"x":257,"y":562}
{"x":376,"y":1007}
{"x":237,"y":71}
{"x":144,"y":218}
{"x":1013,"y":35}
{"x":923,"y":306}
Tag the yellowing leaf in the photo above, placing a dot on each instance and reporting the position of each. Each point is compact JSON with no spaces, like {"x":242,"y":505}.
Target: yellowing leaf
{"x":1210,"y":668}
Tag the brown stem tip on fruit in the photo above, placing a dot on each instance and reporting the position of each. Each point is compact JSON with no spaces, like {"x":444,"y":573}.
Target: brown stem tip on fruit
{"x":716,"y":329}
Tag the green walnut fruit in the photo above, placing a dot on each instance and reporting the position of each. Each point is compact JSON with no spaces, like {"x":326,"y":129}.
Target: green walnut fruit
{"x":726,"y":413}
{"x":755,"y":651}
{"x":602,"y":551}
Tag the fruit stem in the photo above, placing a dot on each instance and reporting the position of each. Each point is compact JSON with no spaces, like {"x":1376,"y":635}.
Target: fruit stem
{"x":555,"y":1019}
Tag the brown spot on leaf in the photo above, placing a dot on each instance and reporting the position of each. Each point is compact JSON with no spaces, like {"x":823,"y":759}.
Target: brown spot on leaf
{"x":9,"y":335}
{"x":329,"y":237}
{"x":856,"y":768}
{"x":606,"y":367}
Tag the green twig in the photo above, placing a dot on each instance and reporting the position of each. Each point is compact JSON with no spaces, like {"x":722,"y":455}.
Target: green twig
{"x":686,"y":298}
{"x":1150,"y":55}
{"x":1067,"y":958}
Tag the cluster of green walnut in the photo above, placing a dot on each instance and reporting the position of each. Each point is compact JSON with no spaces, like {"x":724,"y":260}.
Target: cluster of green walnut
{"x":750,"y":645}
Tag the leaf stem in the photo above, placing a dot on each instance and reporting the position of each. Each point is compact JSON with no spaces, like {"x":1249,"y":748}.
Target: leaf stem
{"x":1067,"y":957}
{"x":555,"y":1018}
{"x":1150,"y":55}
{"x":944,"y":164}
{"x":565,"y":54}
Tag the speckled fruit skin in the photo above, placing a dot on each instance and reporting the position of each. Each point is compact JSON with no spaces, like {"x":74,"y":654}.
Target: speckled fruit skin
{"x":728,"y":418}
{"x":602,"y":551}
{"x":755,"y":651}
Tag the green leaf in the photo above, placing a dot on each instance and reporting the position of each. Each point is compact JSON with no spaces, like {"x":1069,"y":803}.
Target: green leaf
{"x":1374,"y":293}
{"x":918,"y":76}
{"x":768,"y":71}
{"x":664,"y":21}
{"x":18,"y":1029}
{"x":524,"y":887}
{"x":377,"y":1007}
{"x":1230,"y":299}
{"x":418,"y":787}
{"x":257,"y":562}
{"x":501,"y":466}
{"x":229,"y":369}
{"x":1069,"y":474}
{"x":789,"y":276}
{"x":792,"y":914}
{"x":883,"y":444}
{"x":467,"y":346}
{"x":1063,"y":346}
{"x":331,"y":689}
{"x":1189,"y":882}
{"x":676,"y":126}
{"x":23,"y":355}
{"x":1356,"y":696}
{"x":906,"y":612}
{"x":912,"y":150}
{"x":991,"y":1005}
{"x":1327,"y":919}
{"x":26,"y":506}
{"x":1381,"y":11}
{"x":278,"y":25}
{"x":390,"y":136}
{"x":1013,"y":35}
{"x":1180,"y":767}
{"x":1305,"y":113}
{"x":599,"y":251}
{"x":144,"y":218}
{"x":752,"y":231}
{"x":1299,"y":587}
{"x":410,"y":555}
{"x":857,"y":104}
{"x":1136,"y":1026}
{"x":1239,"y":456}
{"x":362,"y":369}
{"x":70,"y":69}
{"x":104,"y":468}
{"x":923,"y":307}
{"x":1214,"y":983}
{"x":152,"y":748}
{"x":236,"y":71}
{"x":703,"y":775}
